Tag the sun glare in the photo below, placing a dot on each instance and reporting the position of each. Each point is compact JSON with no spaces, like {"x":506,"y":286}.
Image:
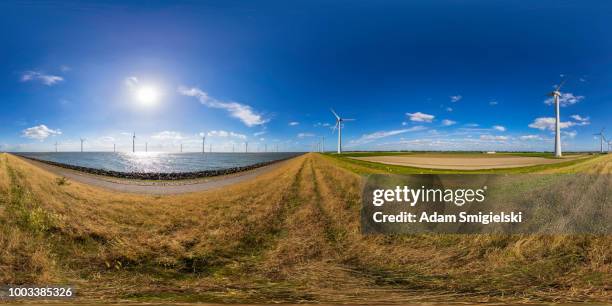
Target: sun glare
{"x":147,"y":95}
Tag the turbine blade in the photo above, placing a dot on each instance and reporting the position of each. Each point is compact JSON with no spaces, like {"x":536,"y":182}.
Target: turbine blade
{"x":561,"y":84}
{"x":333,"y":112}
{"x":335,"y":126}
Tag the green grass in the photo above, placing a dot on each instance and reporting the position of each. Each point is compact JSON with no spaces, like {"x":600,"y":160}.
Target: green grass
{"x":366,"y":167}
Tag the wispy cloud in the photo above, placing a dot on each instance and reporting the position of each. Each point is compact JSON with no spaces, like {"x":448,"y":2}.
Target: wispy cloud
{"x":168,"y":135}
{"x":243,"y":112}
{"x":40,"y":132}
{"x":131,"y":82}
{"x":493,"y":138}
{"x":303,"y":135}
{"x":566,"y":99}
{"x":222,"y":133}
{"x":499,"y":128}
{"x":493,"y":102}
{"x":367,"y":138}
{"x":581,"y":120}
{"x":420,"y":117}
{"x":530,"y":137}
{"x":257,"y":134}
{"x":47,"y":79}
{"x":456,"y":98}
{"x":548,"y":123}
{"x":293,"y":123}
{"x":448,"y":122}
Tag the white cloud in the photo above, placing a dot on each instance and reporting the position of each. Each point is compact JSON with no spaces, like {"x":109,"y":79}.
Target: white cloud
{"x":65,"y":68}
{"x":168,"y":135}
{"x":499,"y":128}
{"x":259,"y":133}
{"x":570,"y":134}
{"x":548,"y":123}
{"x":420,"y":117}
{"x":565,"y":99}
{"x":530,"y":137}
{"x":493,"y":102}
{"x":366,"y":138}
{"x":222,"y":133}
{"x":39,"y":132}
{"x":302,"y":135}
{"x":293,"y":123}
{"x":455,"y":98}
{"x":581,"y":120}
{"x":447,"y":122}
{"x":493,"y":138}
{"x":237,"y":110}
{"x":131,"y":82}
{"x":46,"y":79}
{"x":472,"y":125}
{"x":449,"y":109}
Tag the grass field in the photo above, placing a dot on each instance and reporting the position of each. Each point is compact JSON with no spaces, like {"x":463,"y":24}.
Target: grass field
{"x":290,"y":235}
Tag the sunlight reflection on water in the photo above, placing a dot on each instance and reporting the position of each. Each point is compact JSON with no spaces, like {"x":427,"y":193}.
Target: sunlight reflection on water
{"x":157,"y":161}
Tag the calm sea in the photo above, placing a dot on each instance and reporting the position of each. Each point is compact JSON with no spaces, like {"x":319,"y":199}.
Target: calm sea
{"x":159,"y":162}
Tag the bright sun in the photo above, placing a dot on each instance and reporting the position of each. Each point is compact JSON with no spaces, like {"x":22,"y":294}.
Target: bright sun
{"x":147,"y":95}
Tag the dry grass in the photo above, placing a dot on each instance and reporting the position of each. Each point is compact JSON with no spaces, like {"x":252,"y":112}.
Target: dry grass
{"x":291,"y":235}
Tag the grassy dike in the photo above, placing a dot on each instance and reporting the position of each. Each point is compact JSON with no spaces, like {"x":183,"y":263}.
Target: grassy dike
{"x":290,"y":235}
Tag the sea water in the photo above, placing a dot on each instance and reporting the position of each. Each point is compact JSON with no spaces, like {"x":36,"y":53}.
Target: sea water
{"x":157,"y":162}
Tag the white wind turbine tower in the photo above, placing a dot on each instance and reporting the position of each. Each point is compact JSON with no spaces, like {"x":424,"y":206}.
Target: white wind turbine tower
{"x":602,"y":139}
{"x":134,"y":142}
{"x":338,"y":126}
{"x":82,"y":140}
{"x":556,"y":94}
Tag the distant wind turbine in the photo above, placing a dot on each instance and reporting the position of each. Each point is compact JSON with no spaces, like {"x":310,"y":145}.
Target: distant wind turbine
{"x":246,"y":147}
{"x":82,"y":140}
{"x":338,"y":126}
{"x":56,"y":147}
{"x":602,"y":139}
{"x":146,"y":147}
{"x":134,"y":142}
{"x":203,"y":142}
{"x":556,"y":94}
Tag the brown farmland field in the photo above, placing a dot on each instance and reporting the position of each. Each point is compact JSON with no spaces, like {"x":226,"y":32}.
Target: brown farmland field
{"x":463,"y":161}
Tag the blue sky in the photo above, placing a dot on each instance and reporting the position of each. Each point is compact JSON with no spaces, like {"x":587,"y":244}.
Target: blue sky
{"x":417,"y":75}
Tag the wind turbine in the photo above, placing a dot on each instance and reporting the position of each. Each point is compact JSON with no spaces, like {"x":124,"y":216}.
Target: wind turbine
{"x":556,"y":94}
{"x":246,"y":147}
{"x":339,"y":127}
{"x":146,"y":147}
{"x":602,"y":139}
{"x":134,"y":142}
{"x":82,"y":140}
{"x":203,"y":143}
{"x":56,"y":147}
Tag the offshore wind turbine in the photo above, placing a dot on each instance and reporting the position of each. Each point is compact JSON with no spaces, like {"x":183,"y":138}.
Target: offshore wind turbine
{"x":556,"y":94}
{"x":56,"y":147}
{"x":246,"y":147}
{"x":134,"y":142}
{"x":82,"y":140}
{"x":203,"y":142}
{"x":338,"y":126}
{"x":602,"y":139}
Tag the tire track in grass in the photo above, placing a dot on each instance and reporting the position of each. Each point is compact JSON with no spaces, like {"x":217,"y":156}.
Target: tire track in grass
{"x":349,"y":245}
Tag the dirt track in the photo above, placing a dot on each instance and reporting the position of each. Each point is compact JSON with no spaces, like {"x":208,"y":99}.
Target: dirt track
{"x":154,"y":187}
{"x":462,"y":163}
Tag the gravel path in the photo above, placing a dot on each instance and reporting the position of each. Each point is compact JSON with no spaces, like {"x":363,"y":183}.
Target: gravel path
{"x":155,"y":187}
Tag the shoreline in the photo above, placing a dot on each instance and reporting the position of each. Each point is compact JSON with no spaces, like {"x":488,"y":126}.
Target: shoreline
{"x":155,"y":187}
{"x":156,"y":176}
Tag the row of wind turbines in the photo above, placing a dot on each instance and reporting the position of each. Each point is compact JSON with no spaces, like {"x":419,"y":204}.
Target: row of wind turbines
{"x":210,"y":148}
